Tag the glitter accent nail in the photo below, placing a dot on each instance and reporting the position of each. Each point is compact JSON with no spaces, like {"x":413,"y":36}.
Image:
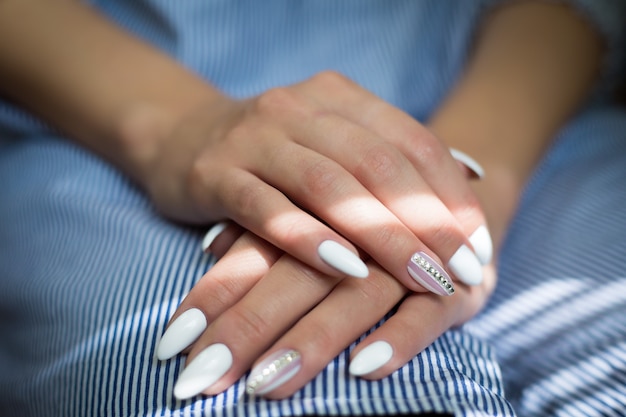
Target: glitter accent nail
{"x":273,"y":372}
{"x":429,"y":274}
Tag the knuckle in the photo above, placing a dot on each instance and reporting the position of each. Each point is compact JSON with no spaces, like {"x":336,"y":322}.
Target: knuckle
{"x":383,"y":163}
{"x":429,"y":152}
{"x":239,"y":133}
{"x":276,"y":101}
{"x":331,"y":79}
{"x":219,"y":295}
{"x":388,"y":236}
{"x":442,"y":234}
{"x":321,"y":178}
{"x":251,"y":326}
{"x":323,"y":338}
{"x":379,"y":293}
{"x":242,"y":196}
{"x":469,"y":212}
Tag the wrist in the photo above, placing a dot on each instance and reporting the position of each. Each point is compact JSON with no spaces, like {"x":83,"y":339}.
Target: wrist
{"x":144,"y":130}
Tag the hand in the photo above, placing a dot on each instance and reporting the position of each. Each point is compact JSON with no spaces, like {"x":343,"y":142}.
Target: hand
{"x":267,"y":308}
{"x":315,"y":166}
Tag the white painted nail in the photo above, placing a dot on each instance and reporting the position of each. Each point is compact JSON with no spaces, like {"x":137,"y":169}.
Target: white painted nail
{"x":206,"y":368}
{"x":212,"y":234}
{"x":273,"y":372}
{"x":482,"y":243}
{"x":342,"y":259}
{"x":181,"y":333}
{"x":465,"y":265}
{"x":371,"y":358}
{"x":469,"y":162}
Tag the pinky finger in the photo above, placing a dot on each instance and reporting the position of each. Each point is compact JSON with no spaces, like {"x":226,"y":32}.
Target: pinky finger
{"x":220,"y":237}
{"x":402,"y":337}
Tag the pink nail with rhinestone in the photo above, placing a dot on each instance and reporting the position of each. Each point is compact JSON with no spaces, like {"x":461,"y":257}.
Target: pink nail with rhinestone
{"x":430,"y":274}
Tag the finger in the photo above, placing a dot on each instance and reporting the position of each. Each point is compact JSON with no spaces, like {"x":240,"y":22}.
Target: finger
{"x":468,"y":165}
{"x":348,"y":311}
{"x":427,"y":154}
{"x":267,"y":212}
{"x":220,"y":237}
{"x":314,"y":176}
{"x":402,"y":337}
{"x":375,"y":198}
{"x":227,"y":282}
{"x":243,"y":332}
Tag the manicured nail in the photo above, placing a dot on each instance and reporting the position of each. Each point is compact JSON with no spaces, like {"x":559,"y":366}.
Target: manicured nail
{"x":482,"y":243}
{"x":212,"y":234}
{"x":206,"y":368}
{"x":342,"y":259}
{"x":371,"y":358}
{"x":429,"y":274}
{"x":469,"y":163}
{"x":181,"y":333}
{"x":465,"y":266}
{"x":273,"y":372}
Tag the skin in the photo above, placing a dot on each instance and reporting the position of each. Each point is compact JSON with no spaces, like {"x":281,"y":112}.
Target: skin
{"x":187,"y":146}
{"x":326,"y":150}
{"x":519,"y":88}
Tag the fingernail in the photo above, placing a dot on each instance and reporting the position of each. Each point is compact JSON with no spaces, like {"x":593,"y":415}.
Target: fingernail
{"x":482,"y":243}
{"x":371,"y":358}
{"x":206,"y":368}
{"x":469,"y":163}
{"x":181,"y":333}
{"x":465,"y":266}
{"x":273,"y":372}
{"x":212,"y":234}
{"x":430,"y":274}
{"x":342,"y":259}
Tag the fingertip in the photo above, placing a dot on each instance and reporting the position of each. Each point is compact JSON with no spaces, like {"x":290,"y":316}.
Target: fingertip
{"x":203,"y":371}
{"x":429,"y":274}
{"x":482,"y":243}
{"x":464,"y":264}
{"x":371,"y":358}
{"x":211,"y":235}
{"x":474,"y":168}
{"x":342,"y":259}
{"x":181,"y":333}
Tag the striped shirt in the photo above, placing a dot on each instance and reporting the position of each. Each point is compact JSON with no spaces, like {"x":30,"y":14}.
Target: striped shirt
{"x":90,"y":273}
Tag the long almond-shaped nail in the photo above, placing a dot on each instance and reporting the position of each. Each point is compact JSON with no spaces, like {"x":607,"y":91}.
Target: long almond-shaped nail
{"x":212,"y":234}
{"x":465,"y":265}
{"x":371,"y":358}
{"x":181,"y":333}
{"x":205,"y":369}
{"x":474,"y":167}
{"x":430,"y":274}
{"x":273,"y":372}
{"x":342,"y":259}
{"x":482,"y":243}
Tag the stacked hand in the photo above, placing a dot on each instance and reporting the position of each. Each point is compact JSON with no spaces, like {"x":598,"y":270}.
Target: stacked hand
{"x":308,"y":174}
{"x":322,"y":179}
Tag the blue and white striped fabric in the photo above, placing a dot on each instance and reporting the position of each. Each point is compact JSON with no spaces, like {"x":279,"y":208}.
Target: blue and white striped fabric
{"x":90,"y":273}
